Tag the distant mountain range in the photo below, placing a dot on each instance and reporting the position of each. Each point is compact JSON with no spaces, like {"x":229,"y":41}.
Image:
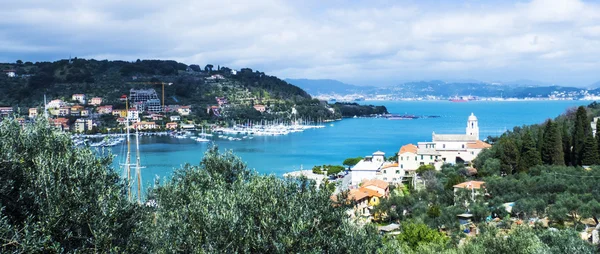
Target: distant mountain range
{"x":442,"y":89}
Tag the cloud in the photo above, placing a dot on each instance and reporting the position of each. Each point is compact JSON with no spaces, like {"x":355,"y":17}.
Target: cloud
{"x":364,"y":42}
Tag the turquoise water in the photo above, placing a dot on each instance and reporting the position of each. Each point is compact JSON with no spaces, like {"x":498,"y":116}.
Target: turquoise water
{"x":349,"y":137}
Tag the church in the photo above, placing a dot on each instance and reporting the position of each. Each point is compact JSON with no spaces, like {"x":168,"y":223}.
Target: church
{"x":442,"y":149}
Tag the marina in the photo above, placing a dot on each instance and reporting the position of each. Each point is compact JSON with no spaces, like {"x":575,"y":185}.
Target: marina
{"x":352,"y":137}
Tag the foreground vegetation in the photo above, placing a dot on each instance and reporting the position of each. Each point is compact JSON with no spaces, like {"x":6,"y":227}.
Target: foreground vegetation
{"x":56,"y":198}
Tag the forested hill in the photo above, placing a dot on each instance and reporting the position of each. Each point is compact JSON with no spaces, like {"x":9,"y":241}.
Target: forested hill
{"x":112,"y":78}
{"x":191,"y":85}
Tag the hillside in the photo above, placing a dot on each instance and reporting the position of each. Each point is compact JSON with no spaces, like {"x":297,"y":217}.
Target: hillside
{"x":191,"y":85}
{"x":443,"y":90}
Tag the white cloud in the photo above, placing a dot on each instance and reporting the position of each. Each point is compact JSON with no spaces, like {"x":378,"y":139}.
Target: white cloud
{"x":499,"y":41}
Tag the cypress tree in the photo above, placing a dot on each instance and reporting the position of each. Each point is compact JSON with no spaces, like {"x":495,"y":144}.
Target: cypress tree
{"x":552,"y":150}
{"x":579,"y":135}
{"x":509,"y":155}
{"x":530,"y":156}
{"x":566,"y":142}
{"x":598,"y":136}
{"x":590,"y":154}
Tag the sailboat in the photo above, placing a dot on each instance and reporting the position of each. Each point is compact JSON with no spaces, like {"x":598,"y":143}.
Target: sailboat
{"x":202,"y":137}
{"x":127,"y":164}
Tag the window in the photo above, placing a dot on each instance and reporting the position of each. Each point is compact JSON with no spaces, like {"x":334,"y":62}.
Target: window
{"x":472,"y":125}
{"x":385,"y":171}
{"x":421,"y":163}
{"x":394,"y":179}
{"x":444,"y":146}
{"x":463,"y":146}
{"x":415,"y":158}
{"x":385,"y":178}
{"x":401,"y":166}
{"x":421,"y":157}
{"x":473,"y":153}
{"x":397,"y":171}
{"x":431,"y":157}
{"x":401,"y":158}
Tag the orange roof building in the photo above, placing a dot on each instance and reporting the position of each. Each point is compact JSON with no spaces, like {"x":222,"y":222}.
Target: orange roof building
{"x":470,"y":185}
{"x":410,"y":148}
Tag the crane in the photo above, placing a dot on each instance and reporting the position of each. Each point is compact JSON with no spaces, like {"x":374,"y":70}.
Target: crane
{"x":154,"y":83}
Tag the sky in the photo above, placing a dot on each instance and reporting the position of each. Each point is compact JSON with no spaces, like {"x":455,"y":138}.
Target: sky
{"x":372,"y":42}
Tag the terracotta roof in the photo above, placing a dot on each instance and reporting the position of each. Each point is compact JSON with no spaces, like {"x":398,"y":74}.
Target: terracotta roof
{"x":393,"y":165}
{"x":478,"y":145}
{"x":357,"y":194}
{"x":410,"y":148}
{"x":371,"y":193}
{"x":470,"y":185}
{"x":377,"y":183}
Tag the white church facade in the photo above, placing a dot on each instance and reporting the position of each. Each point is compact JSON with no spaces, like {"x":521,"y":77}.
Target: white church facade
{"x":442,"y":149}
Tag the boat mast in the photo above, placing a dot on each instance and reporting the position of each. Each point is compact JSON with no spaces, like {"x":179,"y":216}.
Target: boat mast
{"x":128,"y":157}
{"x":138,"y":170}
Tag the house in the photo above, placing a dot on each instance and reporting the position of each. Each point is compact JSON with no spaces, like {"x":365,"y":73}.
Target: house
{"x":215,"y":77}
{"x":475,"y":188}
{"x":382,"y":187}
{"x":64,"y":111}
{"x":119,"y":112}
{"x":175,"y":118}
{"x":55,"y":104}
{"x":364,"y":199}
{"x":121,"y":120}
{"x":78,"y":97}
{"x":61,"y":123}
{"x":123,"y":97}
{"x":133,"y":115}
{"x":188,"y":126}
{"x":76,"y":110}
{"x":260,"y":108}
{"x":171,"y":126}
{"x":233,"y":72}
{"x":144,"y":126}
{"x":79,"y":125}
{"x":105,"y":110}
{"x":156,"y":117}
{"x":11,"y":73}
{"x":85,"y":112}
{"x":184,"y":110}
{"x":96,"y":101}
{"x":82,"y":125}
{"x":172,"y":108}
{"x":33,"y":112}
{"x":367,"y":168}
{"x":6,"y":111}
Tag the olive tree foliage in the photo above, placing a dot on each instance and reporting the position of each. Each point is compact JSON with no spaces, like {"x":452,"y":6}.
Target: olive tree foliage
{"x":56,"y":198}
{"x":222,"y":207}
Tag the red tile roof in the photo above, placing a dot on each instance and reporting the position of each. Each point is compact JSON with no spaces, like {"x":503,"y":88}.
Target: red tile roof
{"x":410,"y":148}
{"x":478,"y":145}
{"x":377,"y":183}
{"x":470,"y":185}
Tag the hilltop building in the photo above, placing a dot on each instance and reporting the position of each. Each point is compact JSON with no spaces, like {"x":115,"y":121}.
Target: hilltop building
{"x":79,"y":98}
{"x":145,"y":100}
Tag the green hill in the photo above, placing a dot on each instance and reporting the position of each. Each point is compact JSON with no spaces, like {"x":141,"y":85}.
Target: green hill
{"x":191,"y":85}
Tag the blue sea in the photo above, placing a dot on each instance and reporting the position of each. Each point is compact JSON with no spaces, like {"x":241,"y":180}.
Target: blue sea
{"x":349,"y":137}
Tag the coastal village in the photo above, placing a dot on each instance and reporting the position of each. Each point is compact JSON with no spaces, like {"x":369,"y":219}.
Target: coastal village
{"x":371,"y":180}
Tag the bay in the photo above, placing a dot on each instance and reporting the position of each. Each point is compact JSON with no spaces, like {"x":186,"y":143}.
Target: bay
{"x":347,"y":138}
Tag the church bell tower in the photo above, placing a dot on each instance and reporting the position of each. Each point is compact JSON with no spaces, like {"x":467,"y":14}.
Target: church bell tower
{"x":472,"y":127}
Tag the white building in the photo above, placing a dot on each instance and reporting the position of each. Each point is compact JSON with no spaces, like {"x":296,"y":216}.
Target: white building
{"x":133,"y":115}
{"x":444,"y":148}
{"x":78,"y":97}
{"x":367,"y":168}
